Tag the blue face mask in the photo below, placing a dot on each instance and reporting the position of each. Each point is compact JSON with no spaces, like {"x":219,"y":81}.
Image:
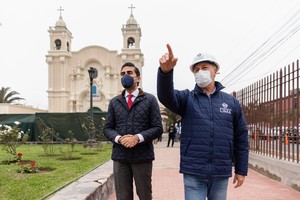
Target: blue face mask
{"x":127,"y":81}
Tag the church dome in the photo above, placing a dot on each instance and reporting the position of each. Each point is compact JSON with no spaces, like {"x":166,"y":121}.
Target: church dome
{"x":60,"y":22}
{"x":131,"y":21}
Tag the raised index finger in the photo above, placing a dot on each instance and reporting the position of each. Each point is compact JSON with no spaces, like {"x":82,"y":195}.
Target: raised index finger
{"x":170,"y":51}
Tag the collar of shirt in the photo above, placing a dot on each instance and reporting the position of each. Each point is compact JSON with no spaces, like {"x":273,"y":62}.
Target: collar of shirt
{"x":214,"y":90}
{"x":134,"y":95}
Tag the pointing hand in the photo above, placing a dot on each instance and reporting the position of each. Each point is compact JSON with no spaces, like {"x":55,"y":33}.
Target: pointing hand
{"x":167,"y":61}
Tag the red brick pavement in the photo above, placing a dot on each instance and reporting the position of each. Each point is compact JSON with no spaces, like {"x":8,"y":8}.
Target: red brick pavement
{"x":168,"y":182}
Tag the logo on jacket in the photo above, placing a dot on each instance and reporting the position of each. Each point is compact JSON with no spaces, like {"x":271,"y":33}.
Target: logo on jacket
{"x":225,"y":108}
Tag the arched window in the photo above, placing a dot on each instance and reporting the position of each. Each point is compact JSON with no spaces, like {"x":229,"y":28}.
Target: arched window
{"x":94,"y":91}
{"x":130,"y":43}
{"x":68,"y":46}
{"x":57,"y":44}
{"x":95,"y":109}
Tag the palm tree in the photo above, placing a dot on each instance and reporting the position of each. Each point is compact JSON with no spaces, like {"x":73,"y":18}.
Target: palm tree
{"x":7,"y":96}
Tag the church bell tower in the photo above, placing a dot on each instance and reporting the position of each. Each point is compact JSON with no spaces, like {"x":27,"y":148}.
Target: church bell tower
{"x":58,"y":60}
{"x":131,"y":51}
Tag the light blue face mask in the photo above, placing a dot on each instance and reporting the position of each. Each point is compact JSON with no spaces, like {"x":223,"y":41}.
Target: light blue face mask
{"x":203,"y":78}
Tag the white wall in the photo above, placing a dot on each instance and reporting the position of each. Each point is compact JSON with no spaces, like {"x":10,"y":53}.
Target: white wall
{"x":6,"y":108}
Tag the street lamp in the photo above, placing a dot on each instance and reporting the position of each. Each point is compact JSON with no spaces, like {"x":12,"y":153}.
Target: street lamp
{"x":93,"y":73}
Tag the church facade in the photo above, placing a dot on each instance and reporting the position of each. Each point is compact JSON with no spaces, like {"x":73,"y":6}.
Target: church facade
{"x":69,"y":86}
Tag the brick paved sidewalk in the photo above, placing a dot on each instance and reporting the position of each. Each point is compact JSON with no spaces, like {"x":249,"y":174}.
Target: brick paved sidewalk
{"x":168,"y":182}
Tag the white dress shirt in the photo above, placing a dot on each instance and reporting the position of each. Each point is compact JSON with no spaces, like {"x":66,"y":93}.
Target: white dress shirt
{"x":134,"y":95}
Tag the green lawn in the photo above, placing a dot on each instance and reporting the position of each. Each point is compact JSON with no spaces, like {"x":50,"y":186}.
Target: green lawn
{"x":18,"y":186}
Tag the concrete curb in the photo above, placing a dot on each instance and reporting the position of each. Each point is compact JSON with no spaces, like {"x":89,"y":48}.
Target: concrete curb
{"x":99,"y":183}
{"x":279,"y":170}
{"x":95,"y":185}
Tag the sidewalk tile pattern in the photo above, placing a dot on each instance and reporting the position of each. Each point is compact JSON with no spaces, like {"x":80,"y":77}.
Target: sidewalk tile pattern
{"x":168,"y":182}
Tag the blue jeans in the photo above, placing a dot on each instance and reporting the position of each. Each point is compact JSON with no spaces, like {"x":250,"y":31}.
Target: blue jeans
{"x":196,"y":188}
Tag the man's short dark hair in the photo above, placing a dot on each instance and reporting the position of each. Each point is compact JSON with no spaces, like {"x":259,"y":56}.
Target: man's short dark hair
{"x":129,"y":64}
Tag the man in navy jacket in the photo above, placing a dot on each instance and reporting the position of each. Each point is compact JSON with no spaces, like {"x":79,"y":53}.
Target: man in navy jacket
{"x":213,"y":132}
{"x":132,"y":128}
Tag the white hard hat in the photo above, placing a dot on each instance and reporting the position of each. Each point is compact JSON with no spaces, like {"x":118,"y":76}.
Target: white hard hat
{"x":204,"y":57}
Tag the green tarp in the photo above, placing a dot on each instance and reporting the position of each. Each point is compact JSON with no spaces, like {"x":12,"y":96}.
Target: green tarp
{"x":62,"y":123}
{"x":27,"y":122}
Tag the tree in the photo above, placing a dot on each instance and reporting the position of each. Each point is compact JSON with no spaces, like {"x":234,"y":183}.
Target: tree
{"x":171,"y":118}
{"x":7,"y":96}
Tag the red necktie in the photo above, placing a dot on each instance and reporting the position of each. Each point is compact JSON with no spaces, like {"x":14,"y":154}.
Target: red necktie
{"x":129,"y":102}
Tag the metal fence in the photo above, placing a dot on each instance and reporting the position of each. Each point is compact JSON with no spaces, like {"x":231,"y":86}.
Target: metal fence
{"x":271,"y":107}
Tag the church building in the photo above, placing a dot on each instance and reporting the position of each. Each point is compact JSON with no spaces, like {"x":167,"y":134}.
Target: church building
{"x":69,"y":83}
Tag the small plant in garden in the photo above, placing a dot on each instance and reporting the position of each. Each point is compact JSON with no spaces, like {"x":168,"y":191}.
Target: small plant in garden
{"x":68,"y":154}
{"x":89,"y":130}
{"x":28,"y":167}
{"x":19,"y":156}
{"x":11,"y":137}
{"x":71,"y":139}
{"x":100,"y":135}
{"x":47,"y":137}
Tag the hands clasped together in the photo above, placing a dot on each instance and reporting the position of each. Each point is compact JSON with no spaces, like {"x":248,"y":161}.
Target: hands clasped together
{"x":129,"y":141}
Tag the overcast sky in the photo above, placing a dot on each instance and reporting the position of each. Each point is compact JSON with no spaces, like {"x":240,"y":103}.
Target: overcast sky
{"x":230,"y":30}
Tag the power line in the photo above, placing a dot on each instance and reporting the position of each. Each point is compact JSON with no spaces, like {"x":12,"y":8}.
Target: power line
{"x":252,"y":29}
{"x":264,"y":55}
{"x":260,"y":49}
{"x":264,"y":50}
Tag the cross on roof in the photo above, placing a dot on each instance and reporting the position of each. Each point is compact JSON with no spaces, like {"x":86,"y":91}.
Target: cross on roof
{"x":60,"y":9}
{"x":131,"y":7}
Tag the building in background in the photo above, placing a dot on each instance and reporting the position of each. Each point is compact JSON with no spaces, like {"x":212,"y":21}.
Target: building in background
{"x":8,"y":108}
{"x":68,"y":78}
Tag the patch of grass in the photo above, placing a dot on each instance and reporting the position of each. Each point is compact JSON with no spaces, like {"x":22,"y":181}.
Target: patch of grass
{"x":18,"y":186}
